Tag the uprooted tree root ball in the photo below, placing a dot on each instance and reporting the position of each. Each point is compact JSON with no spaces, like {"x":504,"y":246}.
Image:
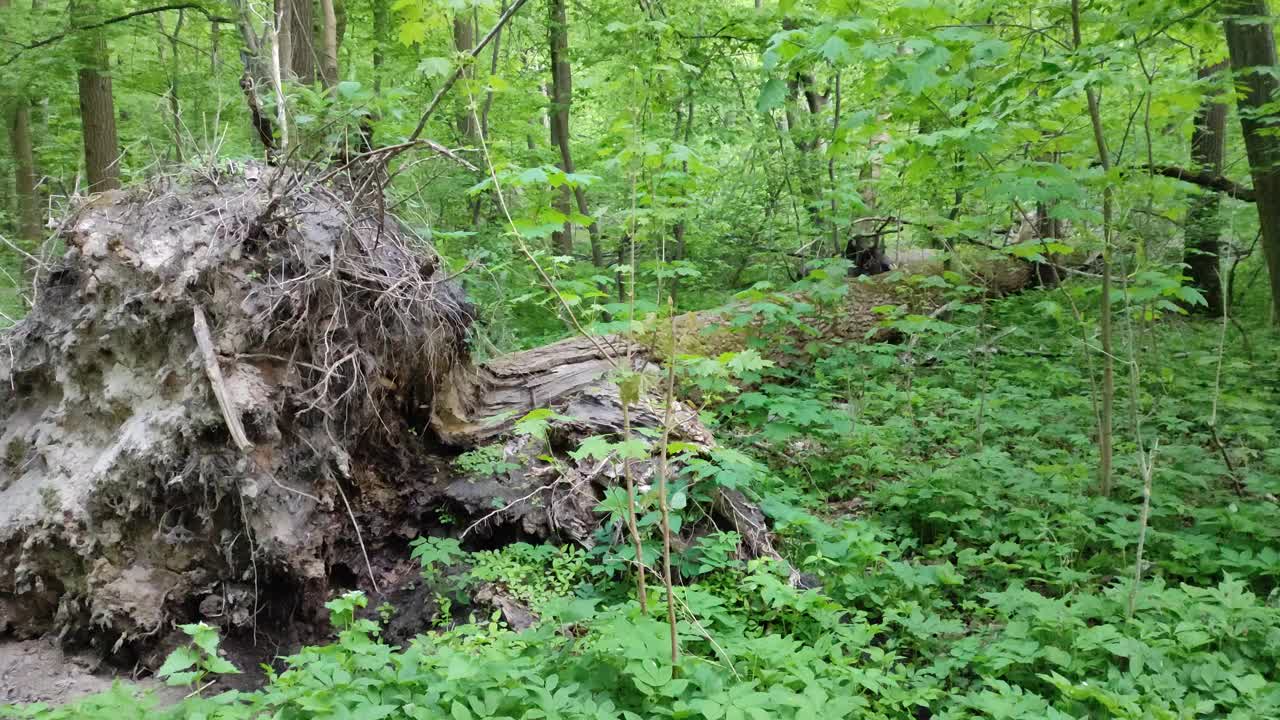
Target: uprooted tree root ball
{"x":240,"y":392}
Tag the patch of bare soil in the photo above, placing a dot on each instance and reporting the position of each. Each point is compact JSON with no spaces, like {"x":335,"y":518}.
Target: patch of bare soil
{"x":38,"y":671}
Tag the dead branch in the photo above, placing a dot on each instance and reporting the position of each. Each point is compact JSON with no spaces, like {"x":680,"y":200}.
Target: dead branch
{"x":1206,"y":180}
{"x":214,"y":372}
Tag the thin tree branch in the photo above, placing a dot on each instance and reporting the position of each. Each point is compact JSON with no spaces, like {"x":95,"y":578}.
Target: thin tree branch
{"x":1208,"y":181}
{"x":457,"y":71}
{"x":211,"y":17}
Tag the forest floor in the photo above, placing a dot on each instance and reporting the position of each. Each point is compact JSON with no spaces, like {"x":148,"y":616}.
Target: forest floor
{"x":941,"y":494}
{"x":38,"y":671}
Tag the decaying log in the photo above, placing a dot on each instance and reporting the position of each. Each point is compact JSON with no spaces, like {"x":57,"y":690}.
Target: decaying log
{"x":479,"y":403}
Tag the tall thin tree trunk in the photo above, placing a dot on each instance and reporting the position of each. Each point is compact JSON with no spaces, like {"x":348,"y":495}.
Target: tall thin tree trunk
{"x":12,"y":117}
{"x":381,"y":36}
{"x":215,"y":31}
{"x":302,"y":56}
{"x":284,"y":36}
{"x":97,"y":109}
{"x":561,"y":100}
{"x":1253,"y":59}
{"x":24,"y":171}
{"x":1208,"y":147}
{"x":464,"y":39}
{"x":329,"y":44}
{"x":1105,"y":415}
{"x":175,"y":106}
{"x":493,"y":70}
{"x":468,"y":125}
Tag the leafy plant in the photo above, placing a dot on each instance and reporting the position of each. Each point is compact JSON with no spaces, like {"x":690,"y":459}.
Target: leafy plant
{"x":190,"y":664}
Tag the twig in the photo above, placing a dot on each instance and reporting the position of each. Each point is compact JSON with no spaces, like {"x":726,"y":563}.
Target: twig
{"x":664,"y":470}
{"x":117,"y":19}
{"x":199,"y":690}
{"x":505,"y":508}
{"x":1231,"y":468}
{"x":392,"y":150}
{"x":1147,"y":461}
{"x":632,"y":526}
{"x":359,"y":537}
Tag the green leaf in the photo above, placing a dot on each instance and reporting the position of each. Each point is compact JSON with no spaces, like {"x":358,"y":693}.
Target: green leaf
{"x":629,"y":388}
{"x":413,"y":32}
{"x":772,"y":95}
{"x":837,"y":51}
{"x":433,"y":66}
{"x":180,"y":659}
{"x":221,"y":665}
{"x":595,"y":447}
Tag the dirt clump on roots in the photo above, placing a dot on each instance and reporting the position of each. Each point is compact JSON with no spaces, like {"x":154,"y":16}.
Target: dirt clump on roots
{"x":193,"y":403}
{"x":240,"y":392}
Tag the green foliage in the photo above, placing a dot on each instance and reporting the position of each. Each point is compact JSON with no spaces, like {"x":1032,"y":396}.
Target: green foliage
{"x":435,"y":554}
{"x":960,"y":572}
{"x":190,"y":664}
{"x":533,"y":574}
{"x":484,"y":461}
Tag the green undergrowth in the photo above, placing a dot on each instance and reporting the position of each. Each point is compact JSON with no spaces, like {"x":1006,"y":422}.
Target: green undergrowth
{"x":940,"y":494}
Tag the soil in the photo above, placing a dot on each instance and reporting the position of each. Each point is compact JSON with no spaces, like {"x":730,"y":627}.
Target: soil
{"x":37,"y":671}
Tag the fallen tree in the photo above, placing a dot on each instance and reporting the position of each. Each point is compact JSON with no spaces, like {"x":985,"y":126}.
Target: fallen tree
{"x":241,"y":392}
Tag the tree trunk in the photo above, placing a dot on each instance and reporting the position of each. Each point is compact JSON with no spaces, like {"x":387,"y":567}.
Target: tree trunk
{"x":175,"y":105}
{"x":24,"y":166}
{"x":24,"y":171}
{"x":97,"y":109}
{"x":464,"y":39}
{"x":329,"y":44}
{"x":561,"y":100}
{"x":493,"y":70}
{"x":381,"y":36}
{"x":302,"y":55}
{"x":1208,"y":146}
{"x":1253,"y":59}
{"x":1047,"y":228}
{"x":215,"y":31}
{"x":284,"y":36}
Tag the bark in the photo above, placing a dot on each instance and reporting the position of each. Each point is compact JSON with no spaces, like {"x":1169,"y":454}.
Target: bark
{"x":284,"y":36}
{"x":258,"y":76}
{"x":1047,"y":228}
{"x":24,"y":166}
{"x":215,"y":31}
{"x":1208,"y":147}
{"x":329,"y":44}
{"x":175,"y":105}
{"x":302,"y":55}
{"x":381,"y":37}
{"x":464,"y":40}
{"x":1206,"y":180}
{"x":561,"y":101}
{"x":97,"y":109}
{"x":24,"y":171}
{"x":493,"y":70}
{"x":1252,"y":46}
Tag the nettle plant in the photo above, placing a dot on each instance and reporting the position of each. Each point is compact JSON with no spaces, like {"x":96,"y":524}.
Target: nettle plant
{"x":191,"y":664}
